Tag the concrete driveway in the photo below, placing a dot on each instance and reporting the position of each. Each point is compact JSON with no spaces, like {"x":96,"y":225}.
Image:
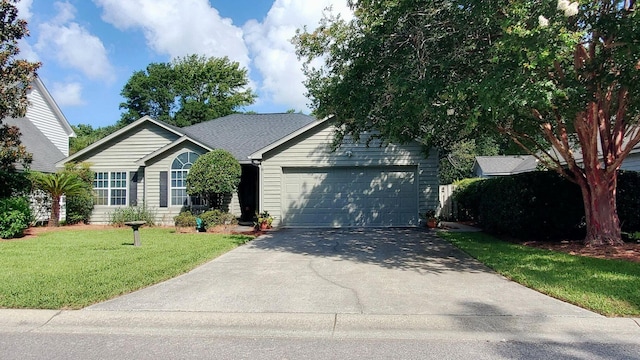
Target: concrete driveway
{"x":346,"y":271}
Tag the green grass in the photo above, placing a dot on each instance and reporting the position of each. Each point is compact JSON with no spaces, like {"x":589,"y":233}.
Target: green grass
{"x":609,"y":287}
{"x":71,"y":269}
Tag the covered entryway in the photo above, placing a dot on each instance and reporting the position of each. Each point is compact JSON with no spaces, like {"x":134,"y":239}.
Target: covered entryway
{"x":350,"y":196}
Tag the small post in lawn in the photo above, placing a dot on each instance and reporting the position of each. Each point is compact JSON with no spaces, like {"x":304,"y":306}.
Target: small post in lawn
{"x":135,"y":225}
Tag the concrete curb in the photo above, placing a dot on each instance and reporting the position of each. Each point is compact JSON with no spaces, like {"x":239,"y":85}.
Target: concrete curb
{"x":339,"y":326}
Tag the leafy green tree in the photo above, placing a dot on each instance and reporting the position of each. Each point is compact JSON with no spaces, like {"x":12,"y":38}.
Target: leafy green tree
{"x":559,"y":78}
{"x":186,"y":91}
{"x":15,"y":77}
{"x":457,"y":162}
{"x":56,"y":185}
{"x":214,"y":175}
{"x":87,"y":135}
{"x":80,"y":204}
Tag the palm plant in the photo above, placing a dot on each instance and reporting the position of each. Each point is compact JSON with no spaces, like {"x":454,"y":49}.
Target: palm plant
{"x":56,"y":185}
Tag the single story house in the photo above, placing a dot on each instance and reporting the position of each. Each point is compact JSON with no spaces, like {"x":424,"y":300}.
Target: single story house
{"x":501,"y":165}
{"x":288,"y":169}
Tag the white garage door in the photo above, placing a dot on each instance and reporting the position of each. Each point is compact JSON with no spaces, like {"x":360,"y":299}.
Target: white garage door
{"x":350,"y":196}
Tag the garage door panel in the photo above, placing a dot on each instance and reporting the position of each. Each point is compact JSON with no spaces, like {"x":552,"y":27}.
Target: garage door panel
{"x":350,"y":197}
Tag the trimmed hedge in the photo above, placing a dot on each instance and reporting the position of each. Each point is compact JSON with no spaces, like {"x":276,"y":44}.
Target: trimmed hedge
{"x":217,"y":217}
{"x":540,"y":205}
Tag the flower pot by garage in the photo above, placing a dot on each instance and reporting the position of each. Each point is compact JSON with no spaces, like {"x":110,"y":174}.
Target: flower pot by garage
{"x":432,"y":223}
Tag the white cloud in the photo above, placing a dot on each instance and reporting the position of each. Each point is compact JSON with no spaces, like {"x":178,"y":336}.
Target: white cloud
{"x":73,"y":45}
{"x":178,"y":27}
{"x":273,"y":54}
{"x":67,"y":94}
{"x":24,"y":9}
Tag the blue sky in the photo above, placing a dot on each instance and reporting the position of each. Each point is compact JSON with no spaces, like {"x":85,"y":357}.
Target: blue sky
{"x":90,"y":48}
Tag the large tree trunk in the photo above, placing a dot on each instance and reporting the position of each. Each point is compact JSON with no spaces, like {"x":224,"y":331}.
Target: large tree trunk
{"x":54,"y":219}
{"x":599,"y":198}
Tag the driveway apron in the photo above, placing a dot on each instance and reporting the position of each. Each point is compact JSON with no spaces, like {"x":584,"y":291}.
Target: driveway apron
{"x":345,"y":271}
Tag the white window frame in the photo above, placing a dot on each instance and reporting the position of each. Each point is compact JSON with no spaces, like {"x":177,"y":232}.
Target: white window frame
{"x":111,"y":188}
{"x":178,"y":166}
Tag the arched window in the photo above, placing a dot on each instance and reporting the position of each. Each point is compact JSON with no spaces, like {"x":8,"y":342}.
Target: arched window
{"x":179,"y":170}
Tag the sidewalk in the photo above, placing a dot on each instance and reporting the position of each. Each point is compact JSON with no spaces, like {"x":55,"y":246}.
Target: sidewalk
{"x":336,"y":326}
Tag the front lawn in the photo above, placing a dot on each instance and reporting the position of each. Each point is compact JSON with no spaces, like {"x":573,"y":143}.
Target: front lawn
{"x":609,"y":287}
{"x":71,"y":269}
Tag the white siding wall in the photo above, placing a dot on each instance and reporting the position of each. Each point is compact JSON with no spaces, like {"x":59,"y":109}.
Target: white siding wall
{"x":43,"y":117}
{"x":122,"y":156}
{"x":313,"y":150}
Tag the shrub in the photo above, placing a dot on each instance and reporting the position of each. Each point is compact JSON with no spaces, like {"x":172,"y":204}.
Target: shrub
{"x":132,"y":213}
{"x":15,"y":216}
{"x":535,"y":204}
{"x":628,"y":200}
{"x":467,"y":195}
{"x":185,"y":219}
{"x":80,"y":205}
{"x":217,"y":217}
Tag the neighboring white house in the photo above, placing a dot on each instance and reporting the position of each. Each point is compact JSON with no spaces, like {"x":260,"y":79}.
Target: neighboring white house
{"x":45,"y":132}
{"x":288,"y":169}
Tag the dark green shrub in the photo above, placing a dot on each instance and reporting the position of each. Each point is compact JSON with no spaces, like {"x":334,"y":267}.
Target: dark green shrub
{"x":15,"y":216}
{"x":185,"y":219}
{"x":80,"y":205}
{"x":13,"y":183}
{"x":467,"y":195}
{"x":217,"y":217}
{"x":541,"y":204}
{"x":628,"y":200}
{"x":132,"y":213}
{"x":530,"y":205}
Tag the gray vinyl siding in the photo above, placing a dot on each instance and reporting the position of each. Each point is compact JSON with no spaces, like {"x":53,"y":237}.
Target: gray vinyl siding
{"x":165,"y":215}
{"x":312,"y":150}
{"x":121,"y":154}
{"x":632,"y":162}
{"x":43,"y":117}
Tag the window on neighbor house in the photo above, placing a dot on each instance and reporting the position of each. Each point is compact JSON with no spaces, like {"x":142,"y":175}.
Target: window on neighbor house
{"x":179,"y":171}
{"x":110,"y":188}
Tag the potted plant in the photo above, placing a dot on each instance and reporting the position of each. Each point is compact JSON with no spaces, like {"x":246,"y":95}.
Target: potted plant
{"x":432,"y":219}
{"x":264,"y":221}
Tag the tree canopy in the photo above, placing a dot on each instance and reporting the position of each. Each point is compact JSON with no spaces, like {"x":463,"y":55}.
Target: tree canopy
{"x":16,"y":75}
{"x":186,"y":91}
{"x":560,"y":78}
{"x":214,"y":175}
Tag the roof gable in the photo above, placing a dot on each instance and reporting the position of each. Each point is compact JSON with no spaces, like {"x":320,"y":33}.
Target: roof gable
{"x":120,"y":133}
{"x":180,"y":141}
{"x":64,"y":123}
{"x":505,"y":164}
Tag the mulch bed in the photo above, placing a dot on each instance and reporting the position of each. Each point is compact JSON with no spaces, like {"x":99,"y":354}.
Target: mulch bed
{"x":628,"y":251}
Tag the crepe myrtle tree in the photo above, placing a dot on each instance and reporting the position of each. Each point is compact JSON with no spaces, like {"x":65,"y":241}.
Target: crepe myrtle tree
{"x":214,"y":176}
{"x":559,"y":78}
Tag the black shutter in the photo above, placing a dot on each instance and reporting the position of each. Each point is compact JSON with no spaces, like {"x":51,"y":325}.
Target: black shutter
{"x":164,"y":189}
{"x":133,"y":188}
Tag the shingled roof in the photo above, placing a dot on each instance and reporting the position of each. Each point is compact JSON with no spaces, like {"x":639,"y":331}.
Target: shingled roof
{"x":244,"y":134}
{"x":45,"y":153}
{"x":505,"y":164}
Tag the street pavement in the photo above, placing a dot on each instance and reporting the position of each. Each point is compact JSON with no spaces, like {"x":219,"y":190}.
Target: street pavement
{"x":336,"y":288}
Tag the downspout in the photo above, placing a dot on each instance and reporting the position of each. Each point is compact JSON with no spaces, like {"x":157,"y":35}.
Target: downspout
{"x":258,"y":163}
